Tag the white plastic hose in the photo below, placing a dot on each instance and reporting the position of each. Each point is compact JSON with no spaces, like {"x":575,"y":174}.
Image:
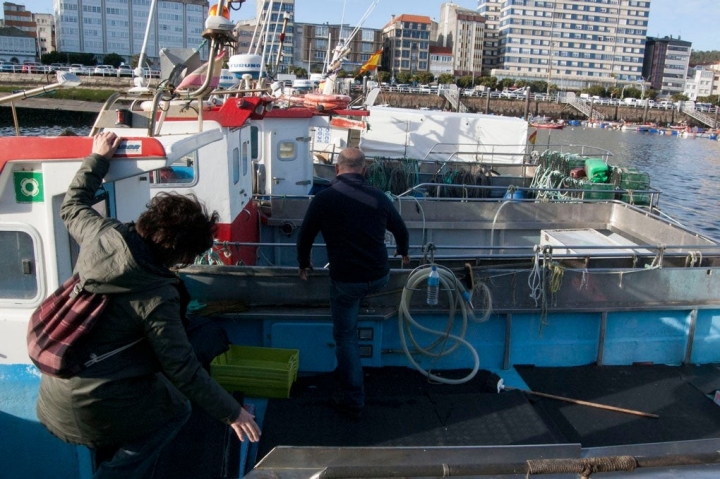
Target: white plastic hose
{"x":458,"y":297}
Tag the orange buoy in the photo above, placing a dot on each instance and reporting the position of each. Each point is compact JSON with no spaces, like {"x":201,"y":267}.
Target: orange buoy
{"x":325,"y":102}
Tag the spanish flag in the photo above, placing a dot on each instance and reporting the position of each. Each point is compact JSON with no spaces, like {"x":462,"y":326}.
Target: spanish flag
{"x":372,"y":62}
{"x":532,"y":137}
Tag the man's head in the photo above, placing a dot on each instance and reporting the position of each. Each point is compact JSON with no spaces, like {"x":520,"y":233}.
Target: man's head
{"x":177,"y":227}
{"x":350,"y":160}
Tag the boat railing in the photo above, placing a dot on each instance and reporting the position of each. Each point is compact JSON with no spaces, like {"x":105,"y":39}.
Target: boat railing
{"x":469,"y":192}
{"x":642,"y":256}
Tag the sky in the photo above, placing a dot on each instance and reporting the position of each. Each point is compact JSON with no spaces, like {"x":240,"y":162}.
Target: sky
{"x":691,"y":20}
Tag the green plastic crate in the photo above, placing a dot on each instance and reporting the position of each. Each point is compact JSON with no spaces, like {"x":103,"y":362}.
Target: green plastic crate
{"x":257,"y":372}
{"x":600,"y":191}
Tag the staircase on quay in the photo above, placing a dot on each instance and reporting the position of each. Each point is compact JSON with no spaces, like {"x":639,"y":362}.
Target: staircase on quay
{"x":710,"y":121}
{"x":584,"y":108}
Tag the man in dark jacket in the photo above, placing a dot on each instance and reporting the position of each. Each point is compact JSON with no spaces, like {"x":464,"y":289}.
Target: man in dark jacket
{"x":352,"y":216}
{"x":137,"y":399}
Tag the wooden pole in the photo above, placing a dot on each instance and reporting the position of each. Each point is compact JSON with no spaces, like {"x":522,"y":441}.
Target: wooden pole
{"x":585,"y":403}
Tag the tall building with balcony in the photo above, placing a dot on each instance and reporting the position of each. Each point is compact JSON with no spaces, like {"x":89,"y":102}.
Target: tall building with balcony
{"x":272,"y":22}
{"x":313,"y":42}
{"x":463,"y":32}
{"x":408,"y":38}
{"x":118,"y":26}
{"x":571,"y":43}
{"x":490,"y":10}
{"x":666,"y":64}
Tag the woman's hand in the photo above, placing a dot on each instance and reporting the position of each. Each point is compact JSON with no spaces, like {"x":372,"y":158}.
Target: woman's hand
{"x":245,"y":426}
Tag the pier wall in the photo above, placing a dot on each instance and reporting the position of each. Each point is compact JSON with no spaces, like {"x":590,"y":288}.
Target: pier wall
{"x":495,"y":106}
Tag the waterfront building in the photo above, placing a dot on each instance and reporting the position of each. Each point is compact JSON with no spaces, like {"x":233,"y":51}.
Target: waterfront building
{"x":17,"y":16}
{"x":666,"y":64}
{"x":441,"y":61}
{"x":118,"y":26}
{"x":269,"y":38}
{"x":45,"y":32}
{"x":314,"y":41}
{"x":490,"y":10}
{"x":408,"y":38}
{"x":16,"y":45}
{"x":699,"y":83}
{"x":463,"y":32}
{"x":571,"y":43}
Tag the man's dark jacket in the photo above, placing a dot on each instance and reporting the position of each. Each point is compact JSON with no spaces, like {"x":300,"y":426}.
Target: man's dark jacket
{"x":352,"y":216}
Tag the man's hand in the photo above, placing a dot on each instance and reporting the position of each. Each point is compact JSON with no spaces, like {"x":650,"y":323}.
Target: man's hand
{"x":303,"y":272}
{"x":405,"y":259}
{"x":106,"y":143}
{"x":245,"y":426}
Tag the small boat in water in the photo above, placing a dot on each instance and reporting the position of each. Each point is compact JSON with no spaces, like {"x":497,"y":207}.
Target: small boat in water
{"x":576,"y":329}
{"x":547,"y":124}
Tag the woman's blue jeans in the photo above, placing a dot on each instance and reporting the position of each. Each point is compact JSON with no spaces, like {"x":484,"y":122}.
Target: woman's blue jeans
{"x":345,"y":306}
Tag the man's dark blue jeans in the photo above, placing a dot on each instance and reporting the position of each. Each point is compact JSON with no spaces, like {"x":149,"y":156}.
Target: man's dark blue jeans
{"x":345,"y":305}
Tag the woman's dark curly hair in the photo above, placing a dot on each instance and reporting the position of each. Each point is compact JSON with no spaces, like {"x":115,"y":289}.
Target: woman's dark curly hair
{"x":177,"y":228}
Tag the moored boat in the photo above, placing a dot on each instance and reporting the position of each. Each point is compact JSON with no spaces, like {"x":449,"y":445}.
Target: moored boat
{"x":549,"y":286}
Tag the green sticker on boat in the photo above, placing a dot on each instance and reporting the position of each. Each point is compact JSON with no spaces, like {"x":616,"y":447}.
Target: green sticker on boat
{"x":29,"y":187}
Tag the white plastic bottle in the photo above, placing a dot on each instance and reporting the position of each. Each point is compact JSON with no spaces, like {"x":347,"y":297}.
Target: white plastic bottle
{"x":433,"y":287}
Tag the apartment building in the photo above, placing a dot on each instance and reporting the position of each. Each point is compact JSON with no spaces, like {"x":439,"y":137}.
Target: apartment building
{"x":699,"y":82}
{"x":16,"y":45}
{"x":571,"y":43}
{"x":16,"y":16}
{"x":463,"y":32}
{"x":272,"y":23}
{"x":313,"y":42}
{"x":666,"y":64}
{"x":490,"y":10}
{"x":118,"y":26}
{"x":441,"y":61}
{"x":45,"y":32}
{"x":408,"y":37}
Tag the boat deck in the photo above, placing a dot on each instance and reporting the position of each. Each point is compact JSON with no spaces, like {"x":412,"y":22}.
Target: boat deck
{"x":409,"y":422}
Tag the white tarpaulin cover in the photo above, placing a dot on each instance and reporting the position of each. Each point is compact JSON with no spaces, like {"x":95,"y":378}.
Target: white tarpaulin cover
{"x":441,"y":136}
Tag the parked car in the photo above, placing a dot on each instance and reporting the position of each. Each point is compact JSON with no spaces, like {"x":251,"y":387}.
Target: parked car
{"x":124,"y":71}
{"x":33,"y":67}
{"x":79,"y":69}
{"x":105,"y":70}
{"x":9,"y":67}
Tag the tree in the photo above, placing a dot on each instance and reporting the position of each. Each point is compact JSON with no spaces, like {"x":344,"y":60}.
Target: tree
{"x":446,"y":78}
{"x":403,"y":77}
{"x":488,"y":82}
{"x":53,"y":57}
{"x":506,"y":83}
{"x":113,"y":59}
{"x":425,"y":78}
{"x":465,"y":81}
{"x":633,"y":92}
{"x":384,"y":76}
{"x":679,"y":97}
{"x":299,"y":72}
{"x":596,"y":90}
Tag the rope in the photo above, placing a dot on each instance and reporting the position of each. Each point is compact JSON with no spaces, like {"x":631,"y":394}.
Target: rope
{"x":585,"y":467}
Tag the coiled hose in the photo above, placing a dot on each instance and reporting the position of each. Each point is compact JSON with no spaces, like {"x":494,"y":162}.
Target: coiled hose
{"x":458,"y":298}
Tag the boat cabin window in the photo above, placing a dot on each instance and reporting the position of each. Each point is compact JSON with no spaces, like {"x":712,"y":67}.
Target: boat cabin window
{"x":19,"y":266}
{"x":182,"y":172}
{"x":254,"y":142}
{"x":236,"y":165}
{"x":286,"y":150}
{"x":245,"y":159}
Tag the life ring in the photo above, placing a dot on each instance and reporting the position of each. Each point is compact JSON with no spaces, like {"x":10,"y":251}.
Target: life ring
{"x":325,"y":102}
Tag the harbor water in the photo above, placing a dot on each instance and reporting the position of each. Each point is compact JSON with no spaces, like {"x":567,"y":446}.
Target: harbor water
{"x":685,"y":170}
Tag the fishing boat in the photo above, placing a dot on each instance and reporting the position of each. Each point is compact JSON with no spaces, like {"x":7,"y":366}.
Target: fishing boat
{"x":547,"y":124}
{"x":576,"y":331}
